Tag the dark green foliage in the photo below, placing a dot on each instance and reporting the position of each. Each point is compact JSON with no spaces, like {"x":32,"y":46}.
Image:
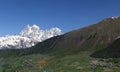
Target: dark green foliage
{"x":112,"y":51}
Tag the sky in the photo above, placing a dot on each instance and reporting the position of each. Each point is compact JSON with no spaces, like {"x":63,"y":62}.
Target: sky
{"x":65,"y":14}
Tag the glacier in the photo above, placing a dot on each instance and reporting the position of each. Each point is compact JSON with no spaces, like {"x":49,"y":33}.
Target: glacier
{"x":28,"y":37}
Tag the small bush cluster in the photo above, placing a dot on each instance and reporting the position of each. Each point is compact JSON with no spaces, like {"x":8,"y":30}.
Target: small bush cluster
{"x":42,"y":63}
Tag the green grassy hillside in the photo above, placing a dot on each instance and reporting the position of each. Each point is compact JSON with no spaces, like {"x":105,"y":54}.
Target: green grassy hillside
{"x":91,"y":38}
{"x":94,"y":48}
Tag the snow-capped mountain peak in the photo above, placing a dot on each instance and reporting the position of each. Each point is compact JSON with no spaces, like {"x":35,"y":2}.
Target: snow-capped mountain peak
{"x":115,"y":17}
{"x":31,"y":31}
{"x":37,"y":34}
{"x":15,"y":41}
{"x":35,"y":27}
{"x":28,"y":37}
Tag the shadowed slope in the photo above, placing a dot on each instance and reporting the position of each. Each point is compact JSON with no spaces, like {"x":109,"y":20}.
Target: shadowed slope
{"x":112,"y":51}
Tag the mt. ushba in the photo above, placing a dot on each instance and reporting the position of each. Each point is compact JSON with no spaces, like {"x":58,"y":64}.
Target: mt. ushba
{"x":28,"y":37}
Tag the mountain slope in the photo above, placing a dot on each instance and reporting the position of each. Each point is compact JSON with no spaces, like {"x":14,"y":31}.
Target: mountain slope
{"x":92,"y":38}
{"x":112,"y":51}
{"x":90,"y":49}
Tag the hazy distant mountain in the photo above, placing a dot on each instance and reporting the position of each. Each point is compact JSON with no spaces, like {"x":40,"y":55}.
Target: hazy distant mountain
{"x":28,"y":37}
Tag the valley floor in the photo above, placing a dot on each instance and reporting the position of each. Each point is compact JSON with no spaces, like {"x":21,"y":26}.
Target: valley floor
{"x":71,"y":63}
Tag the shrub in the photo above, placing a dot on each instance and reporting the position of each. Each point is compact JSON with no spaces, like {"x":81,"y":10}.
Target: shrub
{"x":42,"y":63}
